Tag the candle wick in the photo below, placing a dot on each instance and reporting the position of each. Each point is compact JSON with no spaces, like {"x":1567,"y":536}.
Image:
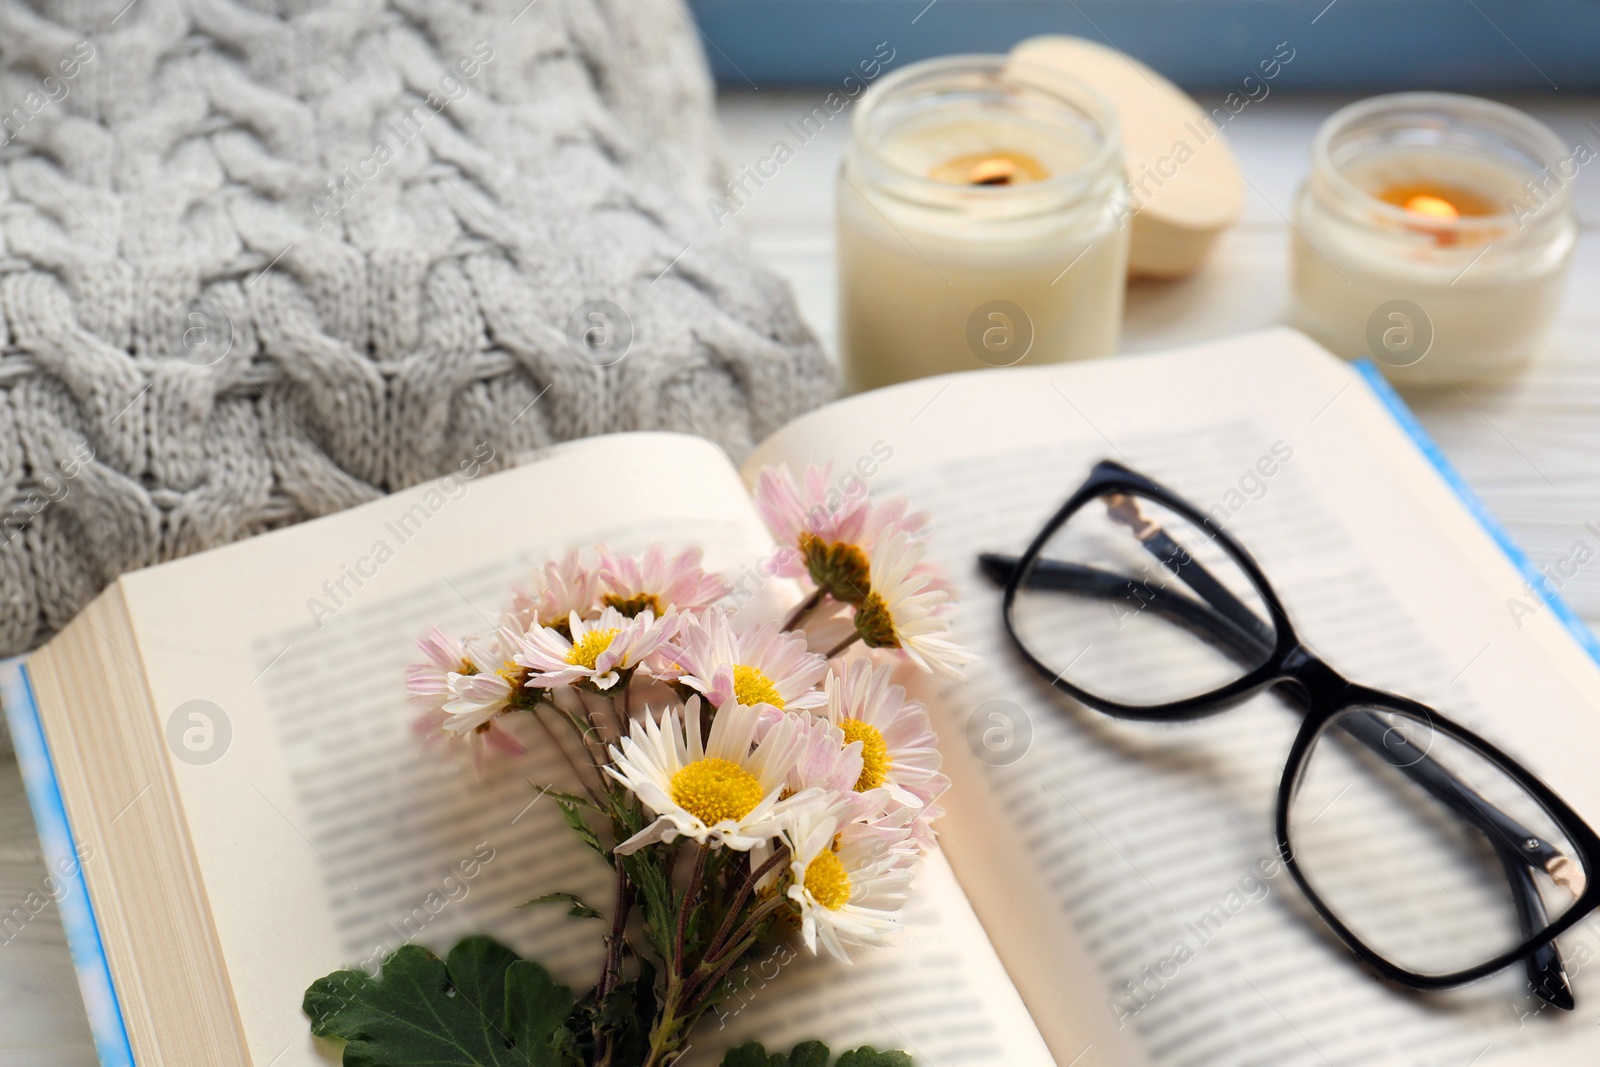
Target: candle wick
{"x":997,"y":171}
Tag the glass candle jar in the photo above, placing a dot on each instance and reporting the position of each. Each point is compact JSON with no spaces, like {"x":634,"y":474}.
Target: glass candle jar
{"x":1433,"y":234}
{"x":982,"y":221}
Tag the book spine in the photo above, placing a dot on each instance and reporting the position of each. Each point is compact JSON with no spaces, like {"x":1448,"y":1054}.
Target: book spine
{"x":1536,"y":582}
{"x":64,"y":863}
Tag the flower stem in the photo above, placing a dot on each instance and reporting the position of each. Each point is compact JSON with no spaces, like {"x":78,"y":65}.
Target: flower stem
{"x":772,"y":863}
{"x":703,"y":984}
{"x":803,"y":609}
{"x":566,"y":754}
{"x":613,"y":964}
{"x":619,"y":923}
{"x":687,"y":906}
{"x":842,"y":645}
{"x":619,"y":713}
{"x":761,"y":912}
{"x":664,"y":1039}
{"x":586,"y":731}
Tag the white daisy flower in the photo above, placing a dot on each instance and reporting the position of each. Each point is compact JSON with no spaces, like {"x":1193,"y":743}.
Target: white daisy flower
{"x":848,"y":879}
{"x":761,"y":666}
{"x":906,"y":609}
{"x":727,"y":792}
{"x":563,"y":588}
{"x":652,"y":581}
{"x":597,"y":651}
{"x":899,"y":749}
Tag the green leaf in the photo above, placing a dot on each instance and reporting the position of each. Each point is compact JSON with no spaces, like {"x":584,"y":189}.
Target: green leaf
{"x":580,"y":910}
{"x":812,"y":1054}
{"x":628,"y":1013}
{"x":655,"y":896}
{"x":568,"y":798}
{"x":536,"y":1006}
{"x":481,"y":1007}
{"x":573,"y":815}
{"x":753,"y":1055}
{"x":867,"y":1056}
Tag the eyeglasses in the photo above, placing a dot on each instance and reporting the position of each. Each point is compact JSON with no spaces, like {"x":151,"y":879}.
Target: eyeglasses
{"x":1433,"y":855}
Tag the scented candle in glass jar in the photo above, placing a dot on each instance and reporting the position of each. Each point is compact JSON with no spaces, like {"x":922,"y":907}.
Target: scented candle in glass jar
{"x":982,"y":221}
{"x":1433,"y":234}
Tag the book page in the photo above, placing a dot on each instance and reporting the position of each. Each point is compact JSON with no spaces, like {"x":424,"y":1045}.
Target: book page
{"x":1127,"y":871}
{"x":937,"y":991}
{"x":326,"y":838}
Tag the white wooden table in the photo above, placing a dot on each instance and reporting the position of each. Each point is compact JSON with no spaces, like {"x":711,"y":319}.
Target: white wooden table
{"x":1528,"y":448}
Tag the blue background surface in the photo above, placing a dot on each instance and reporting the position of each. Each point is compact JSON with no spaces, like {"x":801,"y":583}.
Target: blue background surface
{"x":1475,"y":45}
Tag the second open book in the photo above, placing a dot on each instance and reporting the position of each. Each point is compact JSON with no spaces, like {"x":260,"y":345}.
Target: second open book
{"x":1111,"y":894}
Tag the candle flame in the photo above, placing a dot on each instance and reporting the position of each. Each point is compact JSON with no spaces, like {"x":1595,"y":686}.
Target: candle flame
{"x":995,"y":171}
{"x":1433,"y":207}
{"x":996,"y":167}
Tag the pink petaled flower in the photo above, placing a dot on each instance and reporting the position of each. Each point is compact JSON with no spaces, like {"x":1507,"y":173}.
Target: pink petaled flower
{"x":651,"y":581}
{"x":761,"y":666}
{"x":827,"y":761}
{"x":564,"y":588}
{"x":596,"y":651}
{"x":905,"y":822}
{"x":921,"y":827}
{"x":429,"y":682}
{"x":831,"y":531}
{"x":464,"y":692}
{"x":900,"y":751}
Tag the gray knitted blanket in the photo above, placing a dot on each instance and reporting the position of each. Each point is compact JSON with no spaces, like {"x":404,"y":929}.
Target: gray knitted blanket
{"x":261,"y":260}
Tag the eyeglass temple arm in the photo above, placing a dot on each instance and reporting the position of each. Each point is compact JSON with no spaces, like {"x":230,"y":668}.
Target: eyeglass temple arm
{"x":1250,"y":643}
{"x":1547,"y":974}
{"x":1168,"y":552}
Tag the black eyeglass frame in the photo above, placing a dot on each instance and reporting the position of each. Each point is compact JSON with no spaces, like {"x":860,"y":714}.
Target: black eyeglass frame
{"x":1325,"y":696}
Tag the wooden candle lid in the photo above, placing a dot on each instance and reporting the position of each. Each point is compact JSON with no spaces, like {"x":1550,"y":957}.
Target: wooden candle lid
{"x":1185,"y":183}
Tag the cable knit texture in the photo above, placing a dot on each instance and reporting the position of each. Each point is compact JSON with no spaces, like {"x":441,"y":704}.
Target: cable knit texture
{"x":261,"y":260}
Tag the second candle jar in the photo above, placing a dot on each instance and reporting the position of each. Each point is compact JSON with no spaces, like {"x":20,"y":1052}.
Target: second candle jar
{"x":982,"y":220}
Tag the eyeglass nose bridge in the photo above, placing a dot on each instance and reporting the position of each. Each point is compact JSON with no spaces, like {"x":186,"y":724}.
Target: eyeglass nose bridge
{"x":1314,"y":688}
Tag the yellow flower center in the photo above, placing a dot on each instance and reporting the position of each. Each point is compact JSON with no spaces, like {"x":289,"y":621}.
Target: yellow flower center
{"x":714,"y":790}
{"x":875,"y":624}
{"x":751,"y":686}
{"x":588,"y":649}
{"x":633,"y":605}
{"x":827,"y":881}
{"x":514,"y":673}
{"x":874,"y":753}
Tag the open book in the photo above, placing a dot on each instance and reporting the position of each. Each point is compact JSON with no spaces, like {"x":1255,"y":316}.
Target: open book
{"x":219,"y":757}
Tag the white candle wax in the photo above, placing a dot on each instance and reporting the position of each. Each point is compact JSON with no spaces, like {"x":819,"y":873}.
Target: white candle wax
{"x":939,"y":273}
{"x":1435,"y":299}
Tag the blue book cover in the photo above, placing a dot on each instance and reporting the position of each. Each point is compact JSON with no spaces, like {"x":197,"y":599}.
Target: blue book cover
{"x":61,"y":850}
{"x":64,"y":861}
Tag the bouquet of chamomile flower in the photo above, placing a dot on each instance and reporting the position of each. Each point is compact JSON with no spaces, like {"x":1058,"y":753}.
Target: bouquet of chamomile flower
{"x":743,"y":786}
